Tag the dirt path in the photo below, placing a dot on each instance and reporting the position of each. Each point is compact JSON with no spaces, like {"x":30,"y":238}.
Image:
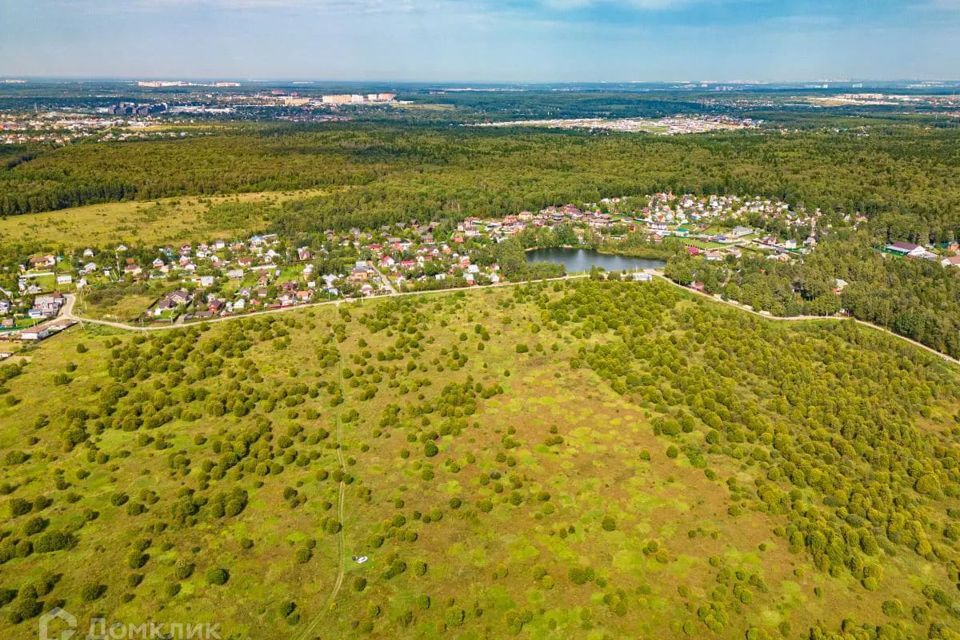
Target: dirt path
{"x":67,"y":311}
{"x":385,"y":280}
{"x":341,"y":510}
{"x":864,"y":323}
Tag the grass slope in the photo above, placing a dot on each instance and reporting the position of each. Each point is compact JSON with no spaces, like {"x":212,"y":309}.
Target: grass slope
{"x":553,"y":461}
{"x":166,"y":221}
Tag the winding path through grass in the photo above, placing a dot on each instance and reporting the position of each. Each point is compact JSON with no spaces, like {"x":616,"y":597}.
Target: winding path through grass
{"x":341,"y":500}
{"x":67,"y":311}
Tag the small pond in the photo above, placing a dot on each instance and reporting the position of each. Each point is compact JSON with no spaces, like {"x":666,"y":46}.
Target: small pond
{"x":575,"y":260}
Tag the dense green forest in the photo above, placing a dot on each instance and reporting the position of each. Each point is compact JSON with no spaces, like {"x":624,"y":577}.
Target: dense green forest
{"x":906,"y":174}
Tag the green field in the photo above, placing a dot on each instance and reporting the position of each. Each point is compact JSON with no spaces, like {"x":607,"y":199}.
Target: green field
{"x":165,"y":221}
{"x":120,"y":301}
{"x":566,"y":460}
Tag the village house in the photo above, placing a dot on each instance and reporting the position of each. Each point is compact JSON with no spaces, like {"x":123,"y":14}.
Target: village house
{"x":48,"y":305}
{"x":953,"y":261}
{"x":35,"y":334}
{"x":43,"y":261}
{"x":172,"y":301}
{"x":907,"y":249}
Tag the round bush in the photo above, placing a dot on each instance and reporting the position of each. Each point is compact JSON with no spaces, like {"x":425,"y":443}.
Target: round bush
{"x":218,"y":576}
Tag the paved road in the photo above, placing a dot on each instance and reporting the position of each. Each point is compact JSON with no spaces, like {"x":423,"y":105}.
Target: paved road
{"x":67,"y":311}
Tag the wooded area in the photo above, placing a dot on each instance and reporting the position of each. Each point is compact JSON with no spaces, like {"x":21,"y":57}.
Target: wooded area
{"x":906,"y":174}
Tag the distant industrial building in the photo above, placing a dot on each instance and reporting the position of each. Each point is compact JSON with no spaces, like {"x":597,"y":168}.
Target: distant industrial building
{"x":356,"y":98}
{"x":133,"y":109}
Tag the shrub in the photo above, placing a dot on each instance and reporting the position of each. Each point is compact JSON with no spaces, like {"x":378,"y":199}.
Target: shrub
{"x":137,"y":560}
{"x":92,"y":591}
{"x":24,"y":608}
{"x":581,"y":575}
{"x":15,"y":457}
{"x":54,"y":541}
{"x":183,"y":569}
{"x":19,"y":506}
{"x":218,"y":576}
{"x":303,"y":555}
{"x":34,"y":526}
{"x":7,"y":596}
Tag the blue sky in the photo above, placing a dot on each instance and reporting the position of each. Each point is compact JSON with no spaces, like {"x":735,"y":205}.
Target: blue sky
{"x":483,"y":40}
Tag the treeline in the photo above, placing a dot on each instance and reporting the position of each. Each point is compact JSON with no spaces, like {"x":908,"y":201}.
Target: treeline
{"x":907,"y":174}
{"x":918,"y":299}
{"x":241,"y":160}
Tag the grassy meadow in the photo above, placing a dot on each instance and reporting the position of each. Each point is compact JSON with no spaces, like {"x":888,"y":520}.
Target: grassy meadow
{"x":150,"y":223}
{"x":563,"y":460}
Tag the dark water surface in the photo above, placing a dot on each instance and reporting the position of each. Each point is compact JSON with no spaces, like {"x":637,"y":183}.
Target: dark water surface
{"x":575,"y":260}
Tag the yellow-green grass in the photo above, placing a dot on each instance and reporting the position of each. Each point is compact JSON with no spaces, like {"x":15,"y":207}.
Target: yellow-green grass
{"x":127,"y":309}
{"x":121,"y":301}
{"x":168,"y":220}
{"x":495,"y":573}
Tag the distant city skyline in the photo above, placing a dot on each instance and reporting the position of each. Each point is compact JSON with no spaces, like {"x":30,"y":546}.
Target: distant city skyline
{"x":483,"y":40}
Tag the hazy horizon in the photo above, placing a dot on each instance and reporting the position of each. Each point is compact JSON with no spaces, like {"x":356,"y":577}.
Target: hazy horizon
{"x":481,"y":41}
